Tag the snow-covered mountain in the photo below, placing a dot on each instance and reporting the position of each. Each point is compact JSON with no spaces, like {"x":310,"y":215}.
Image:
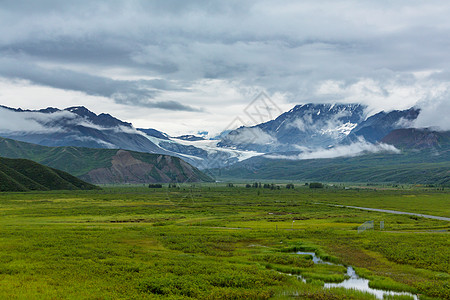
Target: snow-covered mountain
{"x":308,"y":125}
{"x":77,"y":126}
{"x":304,"y":127}
{"x":74,"y":126}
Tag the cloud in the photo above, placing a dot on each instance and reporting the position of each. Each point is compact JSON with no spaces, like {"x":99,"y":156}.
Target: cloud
{"x":154,"y":54}
{"x":138,"y":92}
{"x":250,"y":135}
{"x":434,"y":114}
{"x":28,"y":122}
{"x":336,"y":126}
{"x":98,"y":141}
{"x":355,"y":149}
{"x":174,"y":105}
{"x":302,"y":124}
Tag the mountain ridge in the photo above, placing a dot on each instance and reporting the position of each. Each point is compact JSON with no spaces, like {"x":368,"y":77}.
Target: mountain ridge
{"x":96,"y":165}
{"x":77,"y":126}
{"x":304,"y":128}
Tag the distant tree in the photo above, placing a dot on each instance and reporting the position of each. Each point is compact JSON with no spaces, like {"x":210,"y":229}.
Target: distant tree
{"x":230,"y":185}
{"x":271,"y":186}
{"x":315,"y":185}
{"x":290,"y":186}
{"x":248,"y":185}
{"x":155,"y":185}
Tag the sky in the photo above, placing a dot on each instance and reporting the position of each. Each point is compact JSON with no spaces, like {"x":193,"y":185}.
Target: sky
{"x":185,"y":67}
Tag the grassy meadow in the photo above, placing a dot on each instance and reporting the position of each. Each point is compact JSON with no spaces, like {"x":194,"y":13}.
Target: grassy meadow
{"x":212,"y":241}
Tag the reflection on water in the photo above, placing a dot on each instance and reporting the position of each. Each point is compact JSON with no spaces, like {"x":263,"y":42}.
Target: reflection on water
{"x":315,"y":258}
{"x":354,"y":281}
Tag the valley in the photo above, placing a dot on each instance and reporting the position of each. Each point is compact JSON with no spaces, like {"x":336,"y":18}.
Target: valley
{"x":213,"y":241}
{"x":224,"y":150}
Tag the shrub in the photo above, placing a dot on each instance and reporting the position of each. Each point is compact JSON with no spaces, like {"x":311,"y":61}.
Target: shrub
{"x":315,"y":185}
{"x":155,"y":185}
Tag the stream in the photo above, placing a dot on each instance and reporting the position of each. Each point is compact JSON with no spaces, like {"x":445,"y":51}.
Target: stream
{"x":354,"y":281}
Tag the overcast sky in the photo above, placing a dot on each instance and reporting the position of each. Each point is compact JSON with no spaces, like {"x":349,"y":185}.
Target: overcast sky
{"x":189,"y":66}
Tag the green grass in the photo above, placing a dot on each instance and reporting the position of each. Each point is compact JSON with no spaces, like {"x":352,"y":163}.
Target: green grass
{"x":213,"y":242}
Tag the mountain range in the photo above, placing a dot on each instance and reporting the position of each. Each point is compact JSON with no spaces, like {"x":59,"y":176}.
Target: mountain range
{"x":79,"y":127}
{"x":318,"y":126}
{"x":304,"y":126}
{"x":106,"y":166}
{"x":306,"y":132}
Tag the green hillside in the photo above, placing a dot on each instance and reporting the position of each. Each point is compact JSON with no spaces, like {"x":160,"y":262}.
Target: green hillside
{"x":421,"y":167}
{"x":25,"y":175}
{"x":74,"y":160}
{"x":96,"y":165}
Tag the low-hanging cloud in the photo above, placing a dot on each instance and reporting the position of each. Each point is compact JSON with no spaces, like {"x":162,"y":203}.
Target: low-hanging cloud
{"x":434,"y":114}
{"x":336,"y":126}
{"x":98,"y":141}
{"x":29,"y":122}
{"x":355,"y":149}
{"x":250,"y":135}
{"x":34,"y":122}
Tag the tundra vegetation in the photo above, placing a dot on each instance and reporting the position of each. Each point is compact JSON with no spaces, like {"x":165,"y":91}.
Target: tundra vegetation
{"x":216,"y":241}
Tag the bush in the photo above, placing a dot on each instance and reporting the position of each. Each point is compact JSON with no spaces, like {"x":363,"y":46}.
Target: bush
{"x":155,"y":185}
{"x":315,"y":185}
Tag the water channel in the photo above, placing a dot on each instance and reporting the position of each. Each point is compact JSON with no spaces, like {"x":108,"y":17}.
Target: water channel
{"x":354,"y":281}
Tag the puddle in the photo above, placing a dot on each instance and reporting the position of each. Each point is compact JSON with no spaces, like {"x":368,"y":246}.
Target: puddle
{"x":315,"y":258}
{"x":354,"y":281}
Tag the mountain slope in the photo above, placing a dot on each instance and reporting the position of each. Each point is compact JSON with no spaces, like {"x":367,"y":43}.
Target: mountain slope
{"x":134,"y":167}
{"x":106,"y":165}
{"x":412,"y":138}
{"x":25,"y":175}
{"x":424,"y":167}
{"x":379,"y":125}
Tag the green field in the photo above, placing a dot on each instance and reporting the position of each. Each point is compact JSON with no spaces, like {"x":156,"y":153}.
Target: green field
{"x":216,"y":242}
